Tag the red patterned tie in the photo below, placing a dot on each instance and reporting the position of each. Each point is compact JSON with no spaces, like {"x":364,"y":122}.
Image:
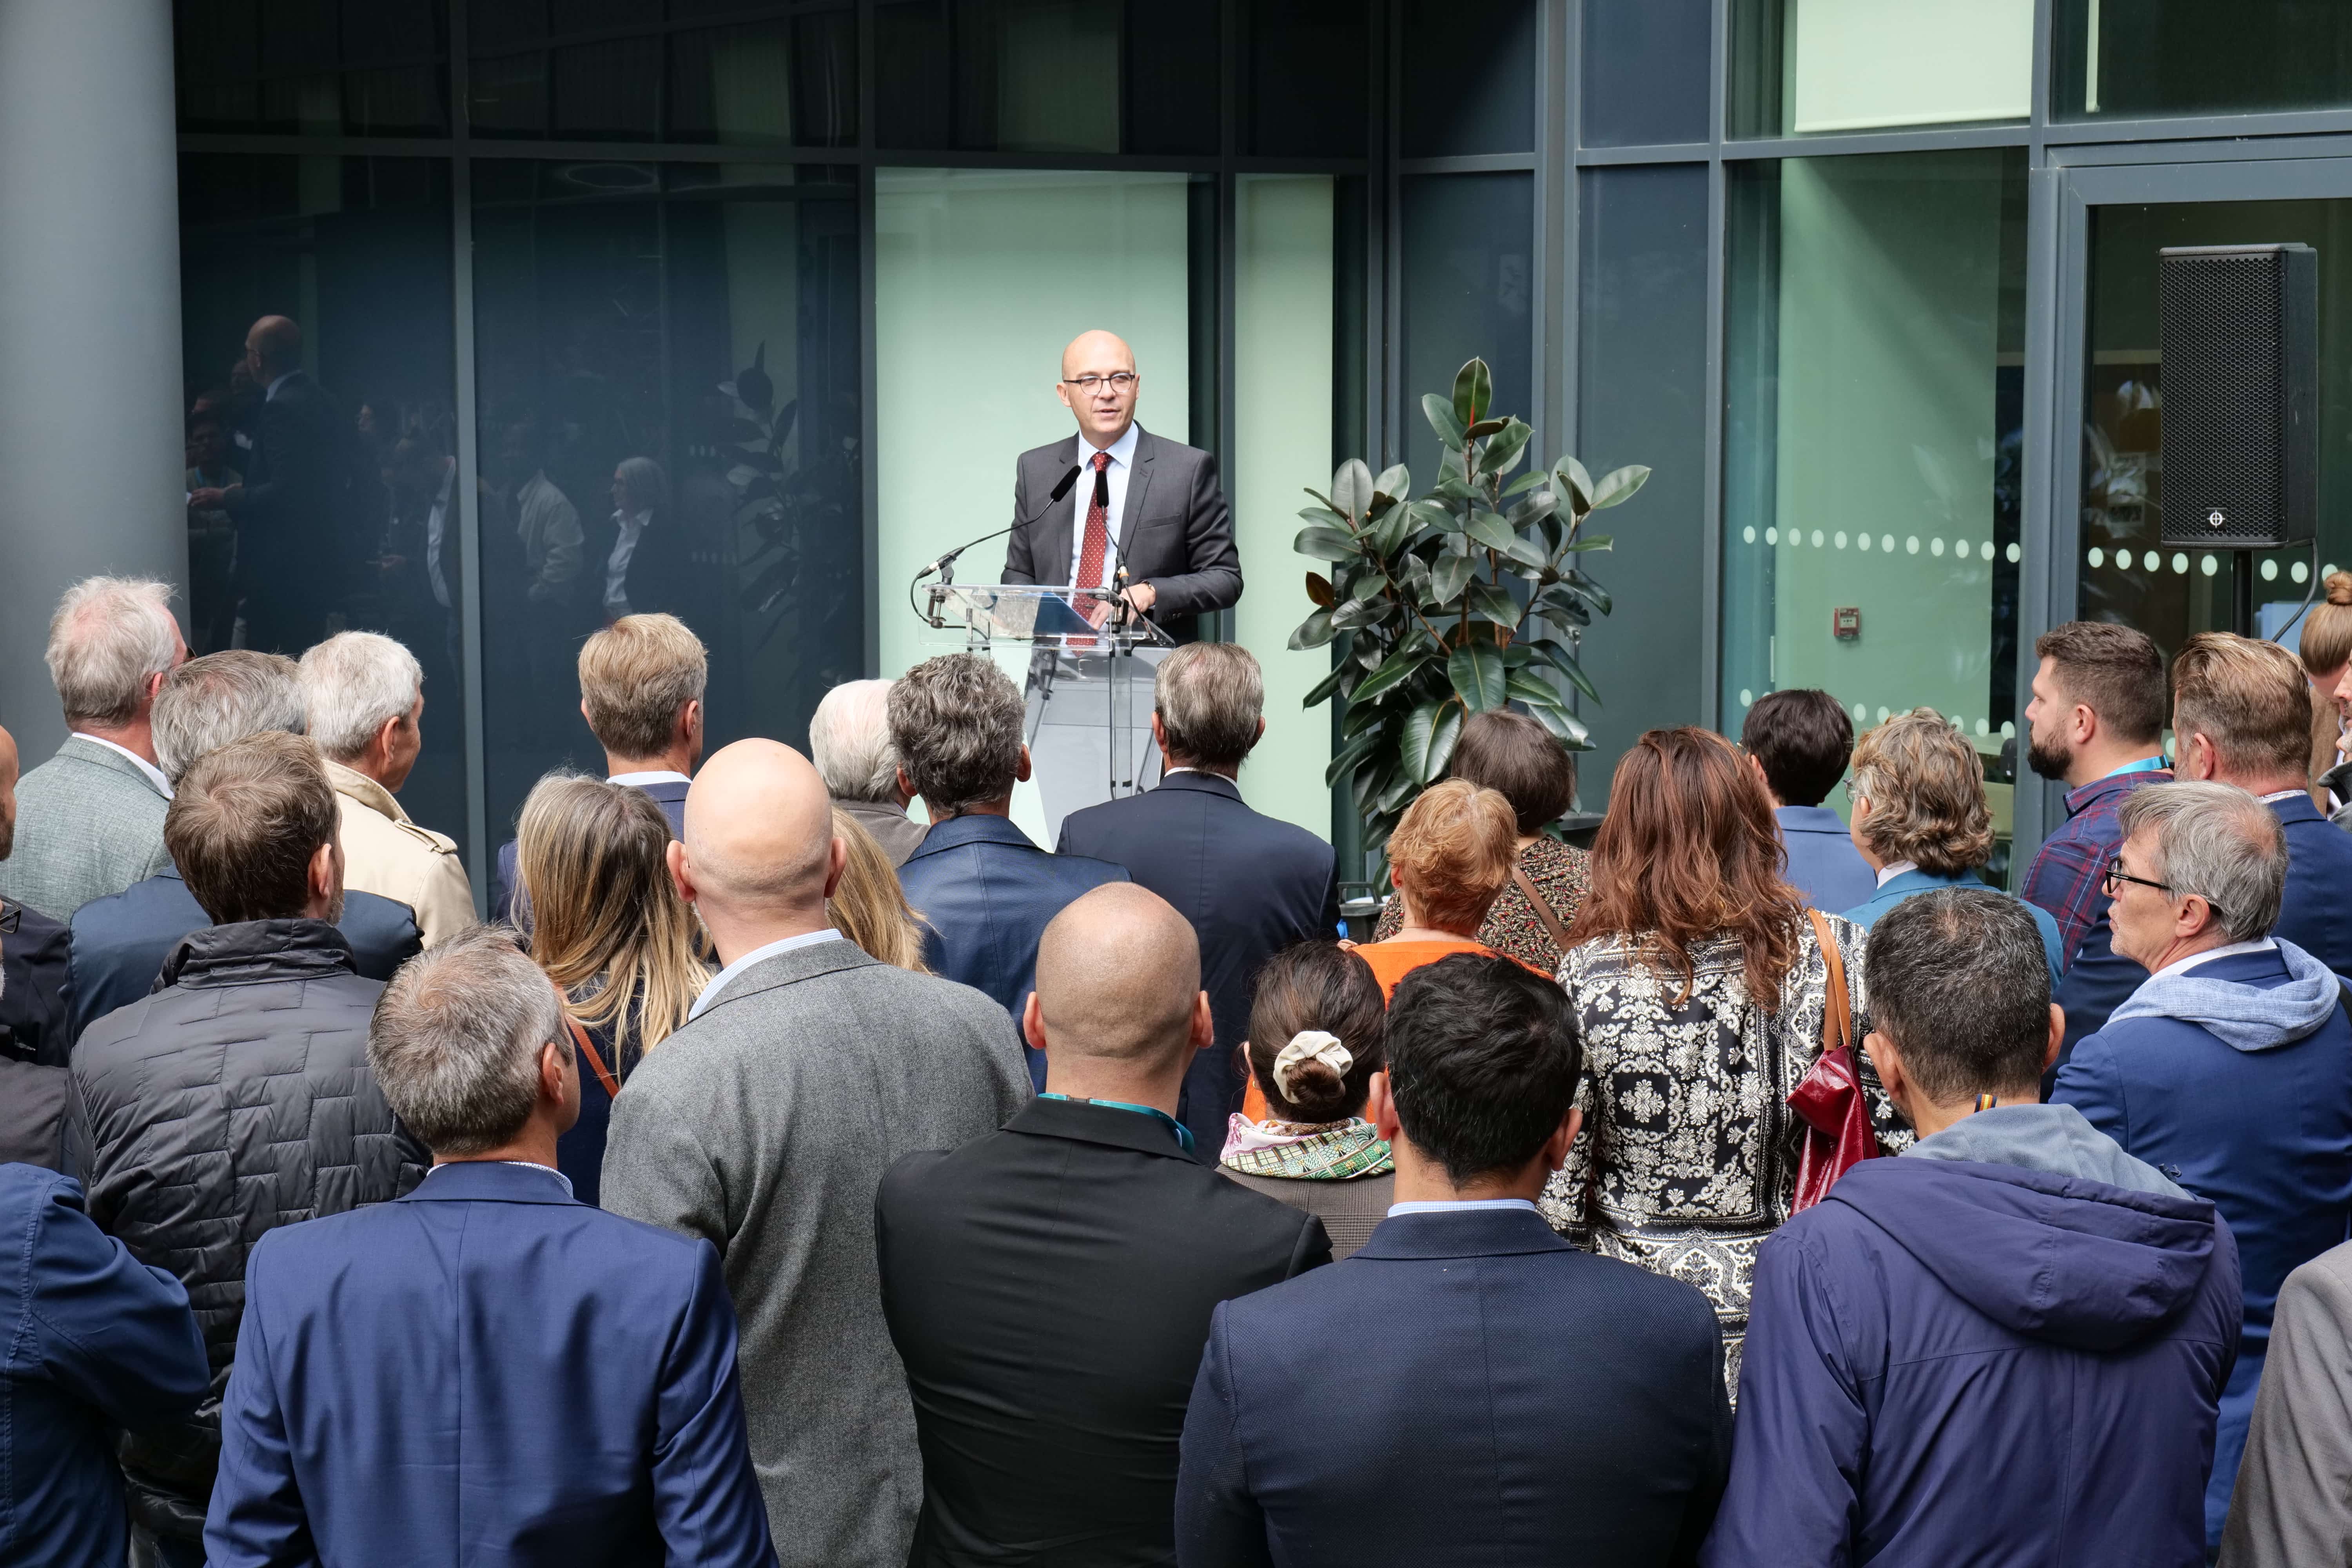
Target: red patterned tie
{"x":1097,"y":540}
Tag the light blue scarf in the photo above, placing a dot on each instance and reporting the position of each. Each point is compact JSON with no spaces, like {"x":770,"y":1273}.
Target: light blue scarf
{"x":2245,"y":1018}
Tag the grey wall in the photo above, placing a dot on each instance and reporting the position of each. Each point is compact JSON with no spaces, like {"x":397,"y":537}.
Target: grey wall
{"x":90,"y":470}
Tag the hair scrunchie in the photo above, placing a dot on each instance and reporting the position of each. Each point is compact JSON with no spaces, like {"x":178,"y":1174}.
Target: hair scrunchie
{"x":1310,"y":1046}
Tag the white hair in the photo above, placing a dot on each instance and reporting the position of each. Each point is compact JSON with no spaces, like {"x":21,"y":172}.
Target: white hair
{"x":352,"y":684}
{"x":220,"y":699}
{"x":849,"y":741}
{"x":108,"y":637}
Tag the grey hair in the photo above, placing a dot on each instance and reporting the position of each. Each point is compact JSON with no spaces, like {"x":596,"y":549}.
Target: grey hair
{"x":1209,"y":697}
{"x":1958,"y":980}
{"x":456,"y":1039}
{"x":222,"y":697}
{"x":2218,"y":842}
{"x":109,"y":634}
{"x":645,"y":480}
{"x":849,"y":741}
{"x":351,"y":684}
{"x":957,"y":721}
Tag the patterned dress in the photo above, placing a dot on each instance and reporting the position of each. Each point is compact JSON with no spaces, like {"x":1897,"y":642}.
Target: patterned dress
{"x":1689,"y":1158}
{"x":1512,"y":927}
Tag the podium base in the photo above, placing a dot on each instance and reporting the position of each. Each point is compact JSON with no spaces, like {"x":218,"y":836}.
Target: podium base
{"x":1090,"y":728}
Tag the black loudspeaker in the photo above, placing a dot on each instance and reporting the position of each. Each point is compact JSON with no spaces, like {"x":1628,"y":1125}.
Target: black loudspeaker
{"x":2240,"y":330}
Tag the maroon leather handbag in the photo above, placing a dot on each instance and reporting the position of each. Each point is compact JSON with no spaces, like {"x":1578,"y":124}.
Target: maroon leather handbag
{"x":1829,"y":1100}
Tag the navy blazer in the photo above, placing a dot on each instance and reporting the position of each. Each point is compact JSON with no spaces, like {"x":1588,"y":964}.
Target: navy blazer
{"x":485,"y":1370}
{"x":1251,"y":885}
{"x":668,"y":794}
{"x":1912,"y":883}
{"x":1467,"y":1389}
{"x":985,"y":895}
{"x":1823,"y":864}
{"x":91,"y":1339}
{"x":119,"y":943}
{"x":2316,"y":912}
{"x":35,"y":985}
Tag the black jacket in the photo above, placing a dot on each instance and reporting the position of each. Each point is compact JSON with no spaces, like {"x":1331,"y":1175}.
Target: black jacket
{"x":236,"y":1100}
{"x":1250,"y":885}
{"x":1049,"y":1288}
{"x":1175,"y":531}
{"x":35,"y":986}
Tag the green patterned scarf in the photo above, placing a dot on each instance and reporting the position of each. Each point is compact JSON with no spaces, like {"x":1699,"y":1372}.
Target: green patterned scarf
{"x":1332,"y":1153}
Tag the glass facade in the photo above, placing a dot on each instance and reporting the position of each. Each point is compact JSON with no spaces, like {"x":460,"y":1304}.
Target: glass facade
{"x":2139,"y":59}
{"x":1803,"y":67}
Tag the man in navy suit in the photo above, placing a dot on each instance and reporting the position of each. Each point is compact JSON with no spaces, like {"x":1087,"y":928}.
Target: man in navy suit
{"x":1250,"y":885}
{"x":641,"y":683}
{"x":2229,"y":1070}
{"x":1337,"y":1418}
{"x":983,"y":891}
{"x":486,"y":1370}
{"x":2241,"y":715}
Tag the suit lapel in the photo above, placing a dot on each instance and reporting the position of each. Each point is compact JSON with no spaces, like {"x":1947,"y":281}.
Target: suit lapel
{"x":1049,"y":544}
{"x":1131,"y":515}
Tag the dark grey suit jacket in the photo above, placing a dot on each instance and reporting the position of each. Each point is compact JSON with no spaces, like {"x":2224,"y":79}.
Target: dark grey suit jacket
{"x":1175,"y":531}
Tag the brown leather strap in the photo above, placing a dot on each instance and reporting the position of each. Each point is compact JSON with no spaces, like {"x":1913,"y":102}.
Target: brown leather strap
{"x":1541,"y":905}
{"x":1838,"y":1008}
{"x":596,"y":1063}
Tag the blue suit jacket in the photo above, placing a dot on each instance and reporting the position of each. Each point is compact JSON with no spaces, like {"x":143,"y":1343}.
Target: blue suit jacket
{"x":1823,"y":864}
{"x":1912,"y":883}
{"x":668,"y":794}
{"x":89,"y":1339}
{"x":485,"y":1372}
{"x":1251,"y":885}
{"x":1467,"y":1389}
{"x":985,"y":895}
{"x":119,"y":943}
{"x":2316,"y":913}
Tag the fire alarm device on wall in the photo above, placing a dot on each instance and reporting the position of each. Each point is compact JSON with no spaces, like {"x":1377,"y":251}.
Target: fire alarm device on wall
{"x":1845,"y":623}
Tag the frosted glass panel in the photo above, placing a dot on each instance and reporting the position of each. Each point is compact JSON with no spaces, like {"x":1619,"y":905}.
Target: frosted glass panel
{"x":1854,"y":64}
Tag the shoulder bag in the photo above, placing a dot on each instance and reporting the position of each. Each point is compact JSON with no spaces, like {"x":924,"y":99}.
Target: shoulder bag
{"x":1828,"y":1100}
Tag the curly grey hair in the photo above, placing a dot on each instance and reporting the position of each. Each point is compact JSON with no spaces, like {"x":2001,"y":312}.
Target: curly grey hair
{"x":957,"y":722}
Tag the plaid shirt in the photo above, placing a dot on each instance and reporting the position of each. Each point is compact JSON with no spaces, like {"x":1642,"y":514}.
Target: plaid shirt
{"x":2067,"y":878}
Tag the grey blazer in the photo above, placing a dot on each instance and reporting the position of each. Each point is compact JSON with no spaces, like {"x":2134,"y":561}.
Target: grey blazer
{"x":88,"y":824}
{"x":2293,"y":1506}
{"x":1175,"y":531}
{"x":765,"y":1126}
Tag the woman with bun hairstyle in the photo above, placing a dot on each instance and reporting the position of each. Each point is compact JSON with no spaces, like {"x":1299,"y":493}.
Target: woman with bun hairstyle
{"x":1319,"y":1030}
{"x":2325,"y":646}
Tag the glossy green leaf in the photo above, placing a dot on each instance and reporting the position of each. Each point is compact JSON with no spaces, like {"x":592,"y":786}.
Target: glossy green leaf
{"x":1474,"y":390}
{"x":1504,"y":452}
{"x":1493,"y":602}
{"x":1388,"y":535}
{"x":1314,"y":631}
{"x":1577,"y":481}
{"x":1359,"y":613}
{"x":1349,"y":755}
{"x":1333,"y":684}
{"x":1489,"y":530}
{"x":1447,"y":577}
{"x":1322,"y":517}
{"x":1319,"y":588}
{"x":1590,"y":542}
{"x":1528,"y":553}
{"x":1477,"y":671}
{"x":1426,"y":742}
{"x":1525,"y":483}
{"x":1562,"y":723}
{"x":1485,"y":427}
{"x":1351,"y":488}
{"x":1559,"y":658}
{"x":1618,"y":486}
{"x":1527,"y":686}
{"x":1325,"y":544}
{"x":1395,"y":482}
{"x":1534,"y":509}
{"x":1440,"y":417}
{"x":1395,"y":670}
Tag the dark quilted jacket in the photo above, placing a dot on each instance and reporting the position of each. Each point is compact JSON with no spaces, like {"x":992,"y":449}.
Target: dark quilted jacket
{"x":237,"y":1100}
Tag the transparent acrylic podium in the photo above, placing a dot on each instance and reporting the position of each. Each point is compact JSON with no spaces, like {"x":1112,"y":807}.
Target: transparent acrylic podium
{"x":1088,"y":688}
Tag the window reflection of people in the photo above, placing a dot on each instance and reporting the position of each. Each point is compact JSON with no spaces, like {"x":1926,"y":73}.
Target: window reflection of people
{"x":212,"y":532}
{"x":532,"y":554}
{"x":645,"y":551}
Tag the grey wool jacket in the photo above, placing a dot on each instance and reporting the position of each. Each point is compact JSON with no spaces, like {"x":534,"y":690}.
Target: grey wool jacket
{"x":765,"y":1125}
{"x":88,"y":824}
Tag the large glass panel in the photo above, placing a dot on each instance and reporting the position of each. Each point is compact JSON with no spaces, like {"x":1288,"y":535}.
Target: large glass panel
{"x":1873,"y":406}
{"x":1646,"y":71}
{"x":1640,"y":398}
{"x":704,"y":316}
{"x":2128,"y":574}
{"x":358,"y":67}
{"x":2147,"y":57}
{"x":1306,"y":75}
{"x":1469,"y":78}
{"x":357,"y":252}
{"x":1801,"y":66}
{"x":1469,"y":265}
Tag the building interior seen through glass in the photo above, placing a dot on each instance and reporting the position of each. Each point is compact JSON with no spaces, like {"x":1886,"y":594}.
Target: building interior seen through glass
{"x":2133,"y":59}
{"x":1874,"y":382}
{"x":1809,"y":66}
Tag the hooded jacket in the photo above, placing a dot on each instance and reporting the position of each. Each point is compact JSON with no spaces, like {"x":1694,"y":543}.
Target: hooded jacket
{"x":2007,"y":1364}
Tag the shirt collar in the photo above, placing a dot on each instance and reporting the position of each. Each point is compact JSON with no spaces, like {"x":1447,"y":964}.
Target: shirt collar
{"x":1175,"y":1129}
{"x":1887,"y":873}
{"x":1458,"y":1205}
{"x":634,"y":520}
{"x":270,"y":392}
{"x":155,"y":774}
{"x":525,"y":1164}
{"x":2226,"y":950}
{"x":2278,"y":794}
{"x":2154,"y":764}
{"x":1122,"y":451}
{"x":758,"y":954}
{"x":651,"y":776}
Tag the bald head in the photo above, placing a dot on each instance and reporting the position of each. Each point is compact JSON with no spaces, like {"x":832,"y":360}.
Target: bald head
{"x":759,"y":835}
{"x":1097,"y":353}
{"x":1104,"y":408}
{"x":1118,"y":973}
{"x":273,"y":347}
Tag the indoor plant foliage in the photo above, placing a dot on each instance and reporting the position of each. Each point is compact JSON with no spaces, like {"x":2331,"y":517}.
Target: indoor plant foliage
{"x":1452,"y":604}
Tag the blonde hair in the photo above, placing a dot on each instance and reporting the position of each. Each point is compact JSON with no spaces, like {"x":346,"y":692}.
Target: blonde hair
{"x":2250,"y":699}
{"x":635,"y":676}
{"x":1926,"y":788}
{"x":867,"y":906}
{"x":1453,"y":852}
{"x":607,"y":923}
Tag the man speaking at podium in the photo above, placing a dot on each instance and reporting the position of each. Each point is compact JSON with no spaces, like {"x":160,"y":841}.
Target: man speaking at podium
{"x":1151,"y":502}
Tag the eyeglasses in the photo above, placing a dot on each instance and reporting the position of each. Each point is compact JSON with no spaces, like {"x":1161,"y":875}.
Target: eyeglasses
{"x":2117,"y":875}
{"x":1118,"y":381}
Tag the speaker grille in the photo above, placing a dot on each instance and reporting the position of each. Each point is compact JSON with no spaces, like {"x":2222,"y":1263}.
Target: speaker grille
{"x":2228,"y":398}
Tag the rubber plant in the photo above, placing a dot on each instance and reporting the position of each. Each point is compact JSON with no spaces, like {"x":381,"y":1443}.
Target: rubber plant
{"x":1471,"y":598}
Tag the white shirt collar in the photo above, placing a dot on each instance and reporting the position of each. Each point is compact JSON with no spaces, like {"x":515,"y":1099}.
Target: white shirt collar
{"x":525,"y":1164}
{"x":1458,"y":1205}
{"x":652,"y":776}
{"x":634,"y":521}
{"x":719,"y":981}
{"x":271,"y":391}
{"x":2226,"y":950}
{"x":1122,"y":451}
{"x":2278,"y":794}
{"x":154,"y":774}
{"x":1888,"y":873}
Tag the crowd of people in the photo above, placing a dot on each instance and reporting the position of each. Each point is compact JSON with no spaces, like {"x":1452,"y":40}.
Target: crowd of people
{"x":782,"y":1176}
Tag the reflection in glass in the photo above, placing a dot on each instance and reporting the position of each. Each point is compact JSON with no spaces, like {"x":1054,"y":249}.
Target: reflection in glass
{"x":376,"y":69}
{"x":1646,"y":71}
{"x":667,"y":380}
{"x":1471,"y":78}
{"x":2146,"y":58}
{"x":1855,"y":65}
{"x":1874,"y":409}
{"x":1305,"y":78}
{"x":1468,"y":286}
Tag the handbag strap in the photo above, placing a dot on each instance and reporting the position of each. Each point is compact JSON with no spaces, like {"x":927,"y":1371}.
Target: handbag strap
{"x":1541,"y":905}
{"x":595,"y":1062}
{"x":1837,"y":1009}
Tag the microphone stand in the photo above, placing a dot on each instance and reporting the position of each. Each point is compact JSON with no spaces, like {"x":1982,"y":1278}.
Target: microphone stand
{"x":945,"y":564}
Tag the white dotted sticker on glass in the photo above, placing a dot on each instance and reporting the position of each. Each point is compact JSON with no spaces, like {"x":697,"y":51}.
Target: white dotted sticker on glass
{"x":1861,"y":712}
{"x":1912,"y":544}
{"x":2098,"y":558}
{"x":2008,"y":731}
{"x":1746,"y":698}
{"x":1862,"y":542}
{"x":1817,"y":538}
{"x":1935,"y":547}
{"x":1748,"y":535}
{"x":1772,"y":535}
{"x":1839,"y":540}
{"x":2015,"y":554}
{"x":2209,"y":565}
{"x":2151,"y":561}
{"x":2270,"y":571}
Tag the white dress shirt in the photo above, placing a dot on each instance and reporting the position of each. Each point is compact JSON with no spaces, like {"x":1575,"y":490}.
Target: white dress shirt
{"x":1458,"y":1205}
{"x":650,"y":777}
{"x":154,"y":774}
{"x":718,"y":981}
{"x":1888,"y":873}
{"x":436,"y":532}
{"x":2226,"y":950}
{"x":1082,"y":496}
{"x":617,"y":569}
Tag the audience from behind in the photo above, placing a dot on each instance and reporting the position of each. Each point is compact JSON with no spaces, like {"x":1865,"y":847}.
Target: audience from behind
{"x":581,"y":1404}
{"x":2015,"y":1297}
{"x":1316,"y":1034}
{"x":98,"y":1341}
{"x":365,"y":697}
{"x":2293,"y":1505}
{"x":119,"y":943}
{"x":610,"y":930}
{"x":1049,"y":1286}
{"x":805,"y":1067}
{"x":1526,"y":763}
{"x":1920,"y":820}
{"x":849,"y":741}
{"x":2324,"y":646}
{"x":36,"y":984}
{"x":1451,"y":854}
{"x":2230,"y":1069}
{"x":2241,"y":715}
{"x":1699,"y":986}
{"x":1340,"y":1409}
{"x":985,"y":890}
{"x":641,"y":685}
{"x":1250,"y":885}
{"x":2096,"y":723}
{"x":1799,"y":743}
{"x":91,"y":818}
{"x":867,"y":906}
{"x":237,"y":1097}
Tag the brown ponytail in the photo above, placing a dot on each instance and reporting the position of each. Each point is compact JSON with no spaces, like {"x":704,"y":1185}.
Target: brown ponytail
{"x":1317,"y":985}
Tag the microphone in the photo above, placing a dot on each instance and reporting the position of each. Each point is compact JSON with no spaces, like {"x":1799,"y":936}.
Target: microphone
{"x":946,"y":563}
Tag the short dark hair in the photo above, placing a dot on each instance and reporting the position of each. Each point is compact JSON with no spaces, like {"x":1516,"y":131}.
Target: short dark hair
{"x":1518,"y":759}
{"x":1318,"y":984}
{"x":1483,"y":1061}
{"x":1803,"y":740}
{"x":245,"y":822}
{"x":1958,"y":979}
{"x":957,"y":721}
{"x":2114,"y":670}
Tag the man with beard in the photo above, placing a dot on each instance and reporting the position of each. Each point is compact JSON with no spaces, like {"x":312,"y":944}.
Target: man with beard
{"x":2096,"y":722}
